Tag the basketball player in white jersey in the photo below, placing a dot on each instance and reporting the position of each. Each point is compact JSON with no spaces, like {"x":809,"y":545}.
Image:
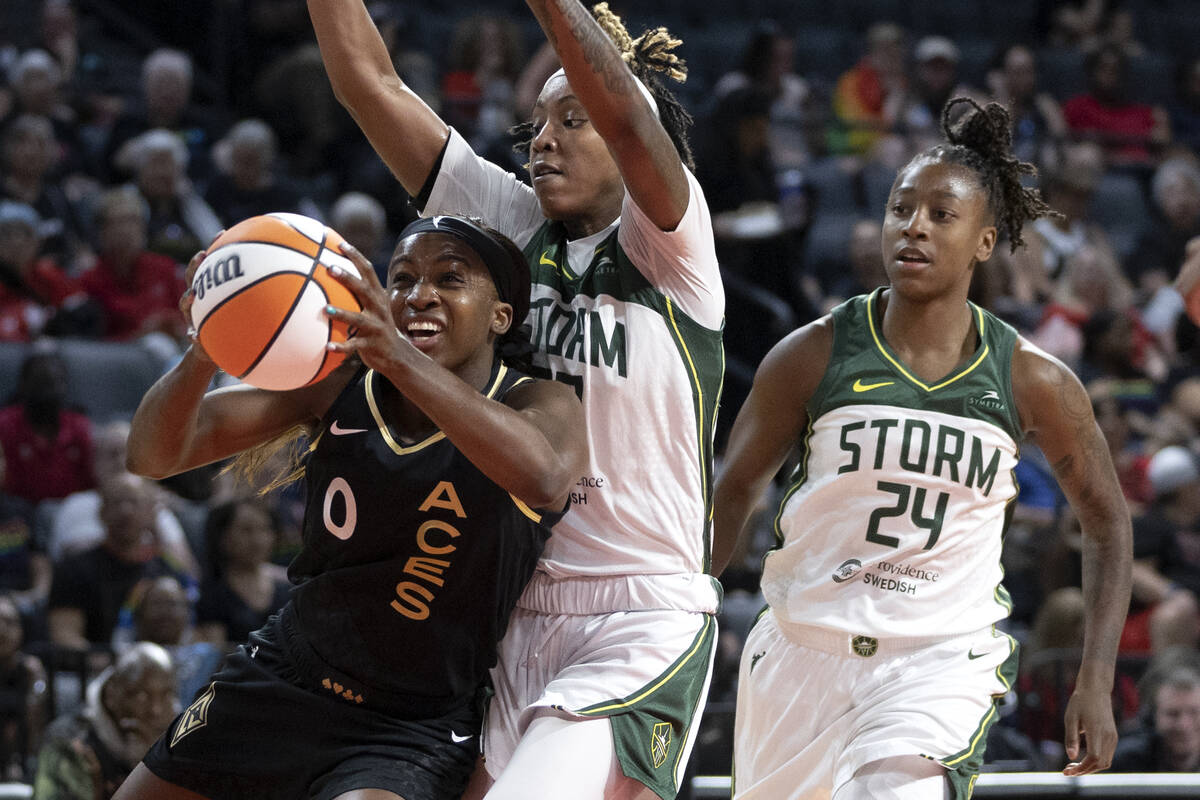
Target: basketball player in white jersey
{"x":876,"y":669}
{"x":606,"y":663}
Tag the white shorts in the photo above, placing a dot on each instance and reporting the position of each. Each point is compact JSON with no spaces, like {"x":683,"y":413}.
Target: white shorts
{"x":814,"y":706}
{"x":647,"y":671}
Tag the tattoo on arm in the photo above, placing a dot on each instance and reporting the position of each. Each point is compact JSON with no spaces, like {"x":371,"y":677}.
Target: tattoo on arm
{"x":595,"y":46}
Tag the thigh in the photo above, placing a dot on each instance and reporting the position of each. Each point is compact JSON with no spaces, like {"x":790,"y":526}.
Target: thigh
{"x":897,"y":778}
{"x":562,"y":757}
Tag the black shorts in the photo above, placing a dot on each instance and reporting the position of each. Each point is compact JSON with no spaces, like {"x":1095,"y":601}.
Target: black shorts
{"x":258,"y":731}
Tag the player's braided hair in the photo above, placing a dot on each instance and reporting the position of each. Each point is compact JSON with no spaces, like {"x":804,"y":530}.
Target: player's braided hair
{"x":646,"y":55}
{"x":981,"y":140}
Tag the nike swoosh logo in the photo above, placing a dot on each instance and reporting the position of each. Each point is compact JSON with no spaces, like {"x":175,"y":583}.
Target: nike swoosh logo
{"x":547,"y":262}
{"x":457,"y":739}
{"x":972,"y":655}
{"x":338,"y":430}
{"x":859,"y":386}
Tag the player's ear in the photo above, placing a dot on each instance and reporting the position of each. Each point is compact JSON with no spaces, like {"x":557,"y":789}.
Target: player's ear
{"x":502,"y":317}
{"x":987,"y":243}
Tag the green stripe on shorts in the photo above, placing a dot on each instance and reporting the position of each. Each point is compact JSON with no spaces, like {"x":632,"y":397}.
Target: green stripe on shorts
{"x":651,"y":725}
{"x":962,"y":768}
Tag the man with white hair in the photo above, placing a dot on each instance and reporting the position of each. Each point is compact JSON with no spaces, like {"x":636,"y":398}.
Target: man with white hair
{"x":1163,"y":246}
{"x":166,"y":103}
{"x":362,"y":221}
{"x":249,"y":179}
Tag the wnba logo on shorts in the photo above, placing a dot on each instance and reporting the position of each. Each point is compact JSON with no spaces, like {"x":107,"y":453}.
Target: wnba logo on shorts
{"x":660,"y":743}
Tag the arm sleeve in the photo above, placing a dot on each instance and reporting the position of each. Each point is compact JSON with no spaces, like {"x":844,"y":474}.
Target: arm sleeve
{"x":681,"y":263}
{"x":472,"y":186}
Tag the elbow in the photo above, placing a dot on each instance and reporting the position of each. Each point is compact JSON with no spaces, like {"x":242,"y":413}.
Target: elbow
{"x":142,"y":464}
{"x":550,"y":486}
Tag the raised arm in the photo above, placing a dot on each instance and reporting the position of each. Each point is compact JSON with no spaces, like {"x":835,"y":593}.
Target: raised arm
{"x":766,"y":428}
{"x":649,"y":164}
{"x":405,"y":132}
{"x":1057,"y":414}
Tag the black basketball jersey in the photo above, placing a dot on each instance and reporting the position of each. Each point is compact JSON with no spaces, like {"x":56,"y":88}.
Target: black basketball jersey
{"x":412,"y":558}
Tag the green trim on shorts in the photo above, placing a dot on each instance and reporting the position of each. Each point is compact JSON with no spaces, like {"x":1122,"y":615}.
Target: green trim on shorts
{"x":962,"y":768}
{"x":650,"y":727}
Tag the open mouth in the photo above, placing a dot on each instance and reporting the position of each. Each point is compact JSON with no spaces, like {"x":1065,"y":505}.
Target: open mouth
{"x":541,"y":170}
{"x":422,"y":332}
{"x":912,"y":256}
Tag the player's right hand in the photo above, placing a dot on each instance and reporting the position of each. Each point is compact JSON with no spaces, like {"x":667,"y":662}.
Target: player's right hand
{"x":189,"y":297}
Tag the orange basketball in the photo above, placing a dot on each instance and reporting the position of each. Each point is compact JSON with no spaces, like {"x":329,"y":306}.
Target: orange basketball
{"x":260,"y":295}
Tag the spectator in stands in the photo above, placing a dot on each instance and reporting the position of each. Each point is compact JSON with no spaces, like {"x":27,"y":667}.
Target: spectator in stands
{"x":180,"y":222}
{"x":91,"y":588}
{"x":137,"y":289}
{"x":36,"y":295}
{"x":22,"y":697}
{"x":768,"y":64}
{"x":242,"y":587}
{"x":864,"y":266}
{"x":935,"y":80}
{"x":25,"y":569}
{"x":1039,"y":127}
{"x":1184,"y":108}
{"x":47,"y":447}
{"x":38,"y":87}
{"x":87,"y":754}
{"x":77,"y":526}
{"x":1160,"y":251}
{"x":249,"y":180}
{"x":1169,"y":737}
{"x":362,"y":221}
{"x":166,"y":104}
{"x":1130,"y":461}
{"x":30,"y":152}
{"x":162,"y":614}
{"x":1070,"y":187}
{"x":1166,"y":544}
{"x":1132,"y":133}
{"x":869,"y":96}
{"x":486,"y":55}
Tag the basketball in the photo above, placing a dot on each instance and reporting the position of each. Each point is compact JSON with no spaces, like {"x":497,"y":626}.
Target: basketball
{"x":259,"y":299}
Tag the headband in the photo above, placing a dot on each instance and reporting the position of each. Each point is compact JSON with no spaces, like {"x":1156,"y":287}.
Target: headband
{"x":511,"y":276}
{"x":647,"y":95}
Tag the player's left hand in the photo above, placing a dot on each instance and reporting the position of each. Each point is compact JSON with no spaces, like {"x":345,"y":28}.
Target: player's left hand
{"x":1091,"y":732}
{"x":375,"y":338}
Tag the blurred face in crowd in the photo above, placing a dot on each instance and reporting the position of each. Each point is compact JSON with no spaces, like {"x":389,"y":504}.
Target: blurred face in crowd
{"x":1177,"y":721}
{"x":29,"y":147}
{"x":1019,"y":73}
{"x":37,"y":90}
{"x":163,"y":614}
{"x":167,"y":91}
{"x":1108,"y":76}
{"x":864,"y":254}
{"x":937,"y":76}
{"x":109,"y":450}
{"x":1180,"y":202}
{"x":11,"y":636}
{"x":160,"y":175}
{"x":19,"y":244}
{"x":123,"y":231}
{"x":250,"y":537}
{"x":141,"y":697}
{"x":127,"y":509}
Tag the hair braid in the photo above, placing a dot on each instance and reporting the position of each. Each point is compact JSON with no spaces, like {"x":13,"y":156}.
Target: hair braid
{"x":981,"y":140}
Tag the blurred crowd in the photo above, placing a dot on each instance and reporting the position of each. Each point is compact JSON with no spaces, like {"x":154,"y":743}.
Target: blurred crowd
{"x":129,"y":137}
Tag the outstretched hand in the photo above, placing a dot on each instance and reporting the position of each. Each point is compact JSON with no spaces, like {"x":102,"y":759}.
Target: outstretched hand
{"x":374,"y":338}
{"x":1091,"y":732}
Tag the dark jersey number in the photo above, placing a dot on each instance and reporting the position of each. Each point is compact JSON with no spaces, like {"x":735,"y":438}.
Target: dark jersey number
{"x":903,"y":492}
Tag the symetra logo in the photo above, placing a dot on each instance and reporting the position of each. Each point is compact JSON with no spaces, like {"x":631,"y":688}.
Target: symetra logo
{"x":848,"y":569}
{"x":989,"y":400}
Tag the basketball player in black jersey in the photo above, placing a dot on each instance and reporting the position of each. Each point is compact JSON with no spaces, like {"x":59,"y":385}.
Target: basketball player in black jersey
{"x":435,"y":473}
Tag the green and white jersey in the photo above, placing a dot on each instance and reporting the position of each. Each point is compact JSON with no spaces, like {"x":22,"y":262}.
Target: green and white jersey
{"x":895,"y":518}
{"x":631,"y":317}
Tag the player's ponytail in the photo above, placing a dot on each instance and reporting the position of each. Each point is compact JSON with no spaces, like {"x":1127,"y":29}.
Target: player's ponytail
{"x":981,"y":140}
